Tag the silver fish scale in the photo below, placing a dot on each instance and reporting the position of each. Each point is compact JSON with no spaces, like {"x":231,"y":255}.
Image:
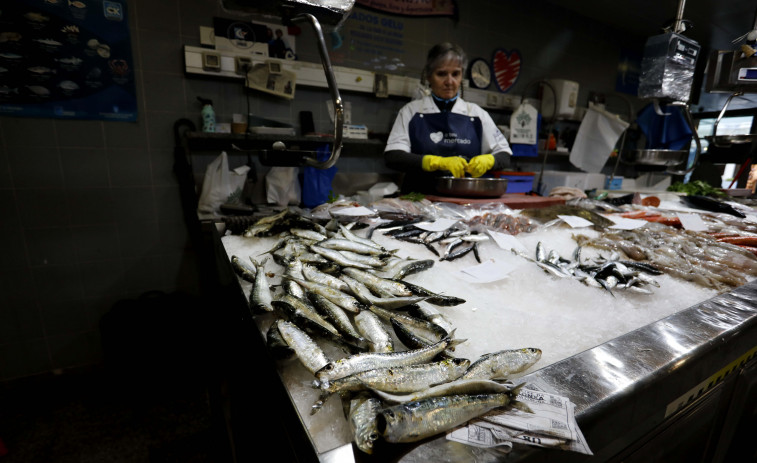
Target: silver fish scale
{"x":417,"y":420}
{"x":307,"y":350}
{"x":414,"y":378}
{"x":499,"y":365}
{"x":370,"y":326}
{"x":363,"y":423}
{"x":368,"y":361}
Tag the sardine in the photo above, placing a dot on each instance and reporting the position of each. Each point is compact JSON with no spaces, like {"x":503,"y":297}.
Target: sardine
{"x":458,"y":386}
{"x":370,"y":360}
{"x":336,"y":315}
{"x":432,"y":297}
{"x":373,"y":261}
{"x":313,"y":274}
{"x":353,"y":237}
{"x":305,"y":315}
{"x":378,"y":284}
{"x":293,"y":269}
{"x":364,"y":294}
{"x":243,"y":269}
{"x":308,"y":352}
{"x":276,"y":344}
{"x":372,"y":329}
{"x":339,"y":298}
{"x":431,"y":314}
{"x":414,"y":378}
{"x":338,"y":257}
{"x":413,"y":421}
{"x":362,"y":418}
{"x":424,"y":328}
{"x":401,"y":268}
{"x":502,"y":364}
{"x":308,"y":234}
{"x":354,"y":246}
{"x":260,"y":296}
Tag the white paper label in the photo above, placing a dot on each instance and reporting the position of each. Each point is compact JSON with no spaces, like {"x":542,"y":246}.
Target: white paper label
{"x":488,"y":271}
{"x":575,"y":221}
{"x":353,"y":211}
{"x":622,"y":223}
{"x":692,"y":222}
{"x":507,"y":242}
{"x":437,"y":225}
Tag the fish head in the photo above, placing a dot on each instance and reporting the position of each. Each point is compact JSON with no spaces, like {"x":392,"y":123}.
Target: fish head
{"x":459,"y":364}
{"x":364,"y":423}
{"x":330,"y":371}
{"x":532,"y":351}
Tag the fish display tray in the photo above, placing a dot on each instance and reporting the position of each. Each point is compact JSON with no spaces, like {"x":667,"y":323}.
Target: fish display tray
{"x":572,"y":324}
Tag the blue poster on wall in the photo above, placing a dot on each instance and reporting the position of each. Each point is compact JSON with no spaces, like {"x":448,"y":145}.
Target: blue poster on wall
{"x":67,"y":59}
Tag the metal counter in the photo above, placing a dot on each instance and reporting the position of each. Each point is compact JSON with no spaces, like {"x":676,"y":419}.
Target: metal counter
{"x":673,"y":379}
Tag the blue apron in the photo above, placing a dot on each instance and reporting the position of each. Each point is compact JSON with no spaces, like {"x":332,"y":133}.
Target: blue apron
{"x":441,"y":134}
{"x":445,"y":134}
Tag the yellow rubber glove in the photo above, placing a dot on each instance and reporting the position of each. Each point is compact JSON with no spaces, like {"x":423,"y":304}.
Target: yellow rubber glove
{"x":479,"y":165}
{"x":454,"y":164}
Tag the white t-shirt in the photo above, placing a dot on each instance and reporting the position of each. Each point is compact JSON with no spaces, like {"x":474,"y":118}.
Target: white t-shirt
{"x":492,"y":140}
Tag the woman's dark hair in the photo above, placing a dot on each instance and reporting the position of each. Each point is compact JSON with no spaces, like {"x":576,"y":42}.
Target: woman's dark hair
{"x":440,"y":53}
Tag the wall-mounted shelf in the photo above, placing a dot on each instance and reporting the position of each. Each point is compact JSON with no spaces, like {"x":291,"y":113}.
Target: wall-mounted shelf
{"x":311,"y":74}
{"x":201,"y":141}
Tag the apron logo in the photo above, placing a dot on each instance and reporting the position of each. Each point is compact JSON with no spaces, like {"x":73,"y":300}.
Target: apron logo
{"x":436,"y":137}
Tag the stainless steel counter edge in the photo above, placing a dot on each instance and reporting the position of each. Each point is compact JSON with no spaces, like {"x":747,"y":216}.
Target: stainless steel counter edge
{"x":625,"y":387}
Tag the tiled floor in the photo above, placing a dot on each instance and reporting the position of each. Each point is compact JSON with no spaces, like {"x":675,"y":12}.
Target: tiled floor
{"x":94,"y":416}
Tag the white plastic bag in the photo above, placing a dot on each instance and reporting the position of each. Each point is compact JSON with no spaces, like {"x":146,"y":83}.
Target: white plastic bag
{"x":596,"y":137}
{"x":221,"y":186}
{"x":282,"y":186}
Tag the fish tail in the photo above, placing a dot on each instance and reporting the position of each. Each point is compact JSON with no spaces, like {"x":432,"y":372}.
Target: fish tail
{"x":320,"y":402}
{"x":456,"y":342}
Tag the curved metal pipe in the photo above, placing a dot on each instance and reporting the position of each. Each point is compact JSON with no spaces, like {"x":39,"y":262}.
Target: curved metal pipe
{"x":623,"y":138}
{"x":549,"y":128}
{"x":720,"y":117}
{"x":333,"y":89}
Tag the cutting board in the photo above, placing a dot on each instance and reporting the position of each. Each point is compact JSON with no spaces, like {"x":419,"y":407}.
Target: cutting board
{"x":511,"y":200}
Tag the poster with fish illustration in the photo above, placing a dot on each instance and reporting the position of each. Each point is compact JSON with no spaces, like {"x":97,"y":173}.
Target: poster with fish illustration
{"x":66,"y":59}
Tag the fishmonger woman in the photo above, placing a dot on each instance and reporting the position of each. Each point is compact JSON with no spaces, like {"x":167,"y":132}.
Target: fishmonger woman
{"x":442,"y":134}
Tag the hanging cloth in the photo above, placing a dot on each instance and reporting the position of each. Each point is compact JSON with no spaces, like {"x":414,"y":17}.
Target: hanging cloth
{"x":595,"y":140}
{"x":664,"y":132}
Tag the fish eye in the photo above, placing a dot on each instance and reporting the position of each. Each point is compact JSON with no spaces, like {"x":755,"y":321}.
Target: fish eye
{"x":373,"y":436}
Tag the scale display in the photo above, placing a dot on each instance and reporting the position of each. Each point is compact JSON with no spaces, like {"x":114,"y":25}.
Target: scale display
{"x":747,"y":75}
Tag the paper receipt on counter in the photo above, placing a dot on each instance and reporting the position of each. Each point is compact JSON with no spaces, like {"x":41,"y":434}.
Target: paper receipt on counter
{"x":552,"y":424}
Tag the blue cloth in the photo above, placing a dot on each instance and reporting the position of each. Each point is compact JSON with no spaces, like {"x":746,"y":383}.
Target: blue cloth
{"x":664,"y":132}
{"x":316,"y":183}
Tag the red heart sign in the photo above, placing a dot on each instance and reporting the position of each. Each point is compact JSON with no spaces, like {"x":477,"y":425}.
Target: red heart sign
{"x":506,"y":68}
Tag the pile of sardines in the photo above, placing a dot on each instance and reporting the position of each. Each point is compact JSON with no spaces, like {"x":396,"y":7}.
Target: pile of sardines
{"x":450,"y":244}
{"x":347,"y":290}
{"x":610,"y":273}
